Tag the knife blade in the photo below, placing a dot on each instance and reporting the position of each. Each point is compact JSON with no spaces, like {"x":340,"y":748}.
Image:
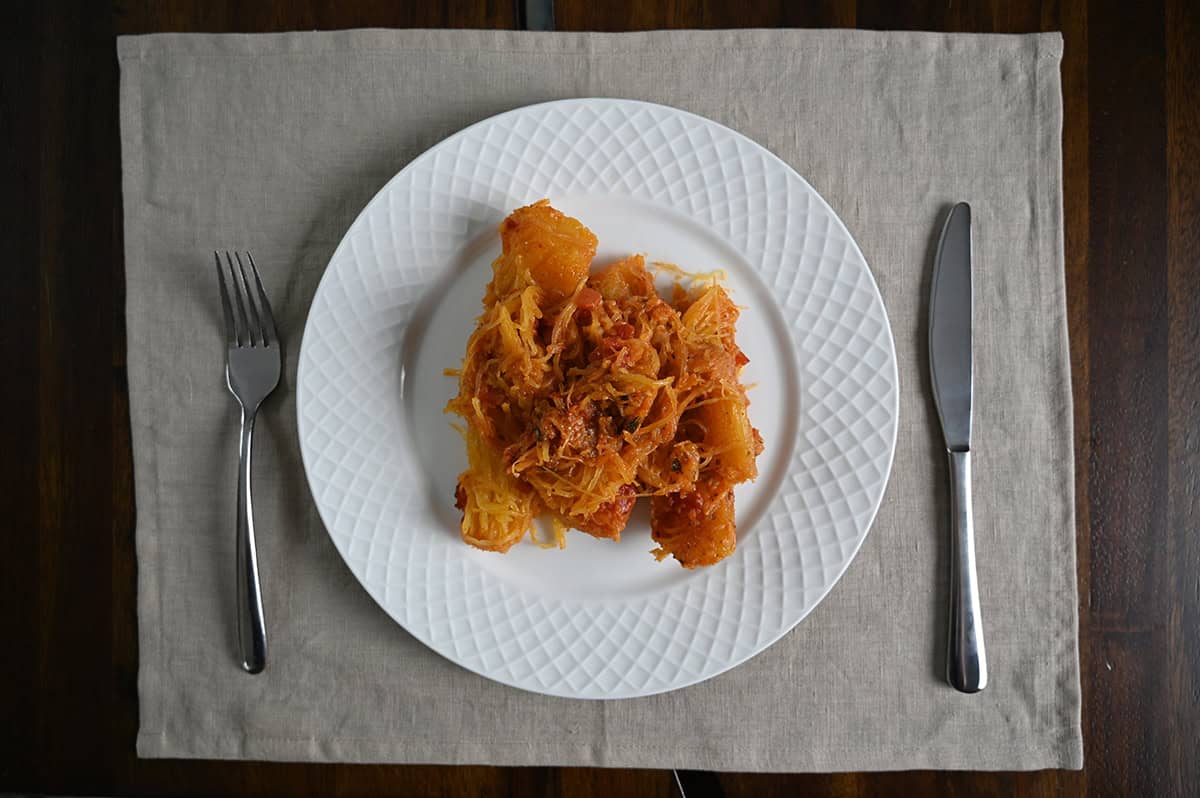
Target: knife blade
{"x":951,"y":306}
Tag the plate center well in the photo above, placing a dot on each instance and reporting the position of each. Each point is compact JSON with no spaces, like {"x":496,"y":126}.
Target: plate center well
{"x":589,"y":568}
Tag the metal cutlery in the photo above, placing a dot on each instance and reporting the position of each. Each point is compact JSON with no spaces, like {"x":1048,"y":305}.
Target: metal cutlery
{"x":252,"y":365}
{"x":950,"y":329}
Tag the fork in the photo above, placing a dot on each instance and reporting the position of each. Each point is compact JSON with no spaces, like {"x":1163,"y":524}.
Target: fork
{"x":252,"y":364}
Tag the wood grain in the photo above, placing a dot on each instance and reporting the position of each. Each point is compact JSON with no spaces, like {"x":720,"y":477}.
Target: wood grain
{"x":1182,"y":550}
{"x":75,"y":208}
{"x":20,"y":63}
{"x":1127,"y":386}
{"x":1131,"y":171}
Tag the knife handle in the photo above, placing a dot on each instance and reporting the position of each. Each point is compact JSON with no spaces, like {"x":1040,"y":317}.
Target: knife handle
{"x":966,"y":667}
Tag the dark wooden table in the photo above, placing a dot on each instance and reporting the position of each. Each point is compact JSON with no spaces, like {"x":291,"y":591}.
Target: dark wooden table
{"x":1131,"y":142}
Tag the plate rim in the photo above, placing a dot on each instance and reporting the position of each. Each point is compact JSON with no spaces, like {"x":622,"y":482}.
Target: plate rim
{"x":892,"y":365}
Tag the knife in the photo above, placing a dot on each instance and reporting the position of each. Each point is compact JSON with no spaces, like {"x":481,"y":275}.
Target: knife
{"x":950,"y":307}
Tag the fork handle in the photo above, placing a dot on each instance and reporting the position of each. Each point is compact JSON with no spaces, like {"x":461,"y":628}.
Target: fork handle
{"x":251,"y":626}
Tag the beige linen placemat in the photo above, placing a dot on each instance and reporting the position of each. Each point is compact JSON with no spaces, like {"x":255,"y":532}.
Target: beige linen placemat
{"x":274,"y":143}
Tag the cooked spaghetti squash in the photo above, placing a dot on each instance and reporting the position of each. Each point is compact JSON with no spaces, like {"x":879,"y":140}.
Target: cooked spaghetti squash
{"x":581,"y":392}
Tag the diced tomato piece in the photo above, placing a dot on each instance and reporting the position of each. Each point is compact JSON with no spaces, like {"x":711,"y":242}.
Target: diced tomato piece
{"x":587,"y":298}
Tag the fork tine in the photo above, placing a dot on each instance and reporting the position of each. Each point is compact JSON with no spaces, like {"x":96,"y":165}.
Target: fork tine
{"x":226,"y":308}
{"x":241,"y":317}
{"x":268,"y":318}
{"x":258,"y":334}
{"x":253,"y":317}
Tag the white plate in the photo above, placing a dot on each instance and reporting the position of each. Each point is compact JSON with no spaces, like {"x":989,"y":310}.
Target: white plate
{"x":395,"y":307}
